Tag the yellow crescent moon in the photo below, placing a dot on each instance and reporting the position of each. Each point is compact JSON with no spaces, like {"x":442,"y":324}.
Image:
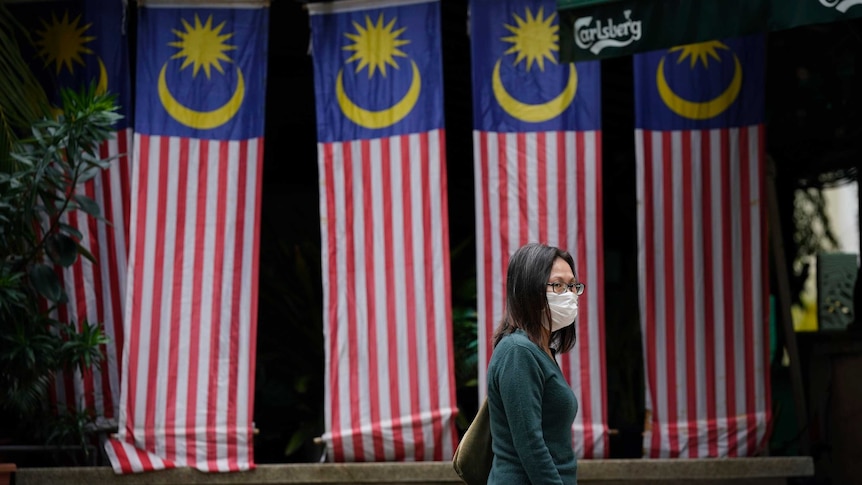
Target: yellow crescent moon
{"x":535,"y":113}
{"x":102,"y":87}
{"x":385,"y":117}
{"x":699,"y":110}
{"x":202,"y":120}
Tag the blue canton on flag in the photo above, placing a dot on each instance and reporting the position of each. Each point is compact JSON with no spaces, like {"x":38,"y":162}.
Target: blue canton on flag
{"x":530,"y":90}
{"x":714,"y":84}
{"x":363,"y":94}
{"x":201,"y":73}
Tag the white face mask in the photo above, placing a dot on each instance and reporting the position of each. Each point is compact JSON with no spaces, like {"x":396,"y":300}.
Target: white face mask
{"x":564,"y":309}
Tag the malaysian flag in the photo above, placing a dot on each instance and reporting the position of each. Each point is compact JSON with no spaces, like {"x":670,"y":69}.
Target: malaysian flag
{"x":389,"y":377}
{"x":702,"y":248}
{"x":78,"y":43}
{"x":537,"y":144}
{"x":191,"y":306}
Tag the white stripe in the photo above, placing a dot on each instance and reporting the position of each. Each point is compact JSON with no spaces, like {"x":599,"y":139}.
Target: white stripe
{"x":480,"y":185}
{"x":343,"y":389}
{"x":513,"y":194}
{"x":642,"y":192}
{"x":441,"y":324}
{"x":146,"y":292}
{"x":738,"y":321}
{"x":532,"y":187}
{"x":166,"y":297}
{"x":718,"y":289}
{"x":248,"y":318}
{"x":420,"y":317}
{"x":659,"y":284}
{"x":381,"y":343}
{"x":698,"y":275}
{"x":760,"y":344}
{"x":591,"y":229}
{"x":324,"y":188}
{"x":679,"y":325}
{"x":552,"y":217}
{"x":400,"y":297}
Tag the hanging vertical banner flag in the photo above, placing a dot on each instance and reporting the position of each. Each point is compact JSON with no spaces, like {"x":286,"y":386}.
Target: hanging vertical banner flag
{"x":702,"y":248}
{"x":78,"y":44}
{"x":191,"y":306}
{"x":390,"y":390}
{"x":537,"y":145}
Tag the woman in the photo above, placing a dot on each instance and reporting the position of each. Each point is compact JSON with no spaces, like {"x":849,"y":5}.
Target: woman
{"x":530,"y":403}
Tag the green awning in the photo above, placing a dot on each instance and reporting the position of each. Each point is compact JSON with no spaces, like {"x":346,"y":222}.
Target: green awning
{"x":596,"y":29}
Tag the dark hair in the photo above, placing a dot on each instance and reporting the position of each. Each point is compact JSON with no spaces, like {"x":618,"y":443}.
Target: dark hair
{"x":526,"y":303}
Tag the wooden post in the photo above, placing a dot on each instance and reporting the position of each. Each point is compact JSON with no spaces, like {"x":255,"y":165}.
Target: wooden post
{"x":783,"y":304}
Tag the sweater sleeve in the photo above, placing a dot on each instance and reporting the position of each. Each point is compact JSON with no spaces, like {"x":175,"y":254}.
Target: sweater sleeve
{"x":521,"y":383}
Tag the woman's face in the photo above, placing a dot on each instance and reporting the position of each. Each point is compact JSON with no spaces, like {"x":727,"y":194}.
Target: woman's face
{"x":561,"y":272}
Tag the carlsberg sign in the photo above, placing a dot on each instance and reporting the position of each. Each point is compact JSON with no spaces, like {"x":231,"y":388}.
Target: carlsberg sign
{"x":595,"y":35}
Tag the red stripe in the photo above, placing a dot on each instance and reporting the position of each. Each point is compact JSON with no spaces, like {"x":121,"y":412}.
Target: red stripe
{"x":410,"y":276}
{"x":114,"y":283}
{"x":391,"y":316}
{"x":158,"y":294}
{"x":370,"y":287}
{"x":255,"y":270}
{"x":237,"y":313}
{"x":562,"y":190}
{"x":764,"y":279}
{"x":176,"y":303}
{"x":99,"y":280}
{"x":688,"y":201}
{"x":67,"y":385}
{"x":138,"y":260}
{"x":747,"y":290}
{"x":650,"y":296}
{"x":125,"y":182}
{"x":600,"y":288}
{"x":487,"y":261}
{"x":79,"y":296}
{"x":352,"y":317}
{"x":120,"y":452}
{"x":727,"y":259}
{"x":431,"y":311}
{"x":191,"y":430}
{"x":669,"y":323}
{"x":522,"y":191}
{"x":710,"y":333}
{"x":447,"y":290}
{"x":503,"y":205}
{"x":584,"y":315}
{"x":332,"y":306}
{"x":215,"y":320}
{"x":543,"y":181}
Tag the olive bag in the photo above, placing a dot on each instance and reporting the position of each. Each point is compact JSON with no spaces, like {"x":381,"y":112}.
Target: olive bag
{"x":473,"y":456}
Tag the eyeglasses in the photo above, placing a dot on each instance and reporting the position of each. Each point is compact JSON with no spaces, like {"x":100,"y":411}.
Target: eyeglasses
{"x":560,"y":288}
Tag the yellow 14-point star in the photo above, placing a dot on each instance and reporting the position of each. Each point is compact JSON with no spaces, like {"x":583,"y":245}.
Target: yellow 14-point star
{"x":202,"y":45}
{"x":375,"y":45}
{"x":534,"y":39}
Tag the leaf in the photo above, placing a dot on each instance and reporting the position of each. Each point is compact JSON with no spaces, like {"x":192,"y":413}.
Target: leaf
{"x":87,"y":205}
{"x":46,"y":282}
{"x":86,"y":253}
{"x":71,"y":231}
{"x":62,"y":249}
{"x":295,"y":442}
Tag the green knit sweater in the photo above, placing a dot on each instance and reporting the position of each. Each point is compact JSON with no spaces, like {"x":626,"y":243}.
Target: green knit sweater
{"x":532,"y":409}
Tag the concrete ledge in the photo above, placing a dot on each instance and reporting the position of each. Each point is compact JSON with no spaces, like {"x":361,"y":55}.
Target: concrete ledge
{"x":773,"y":470}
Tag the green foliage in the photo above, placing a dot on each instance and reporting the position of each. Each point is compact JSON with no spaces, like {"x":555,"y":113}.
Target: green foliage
{"x":36,"y":191}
